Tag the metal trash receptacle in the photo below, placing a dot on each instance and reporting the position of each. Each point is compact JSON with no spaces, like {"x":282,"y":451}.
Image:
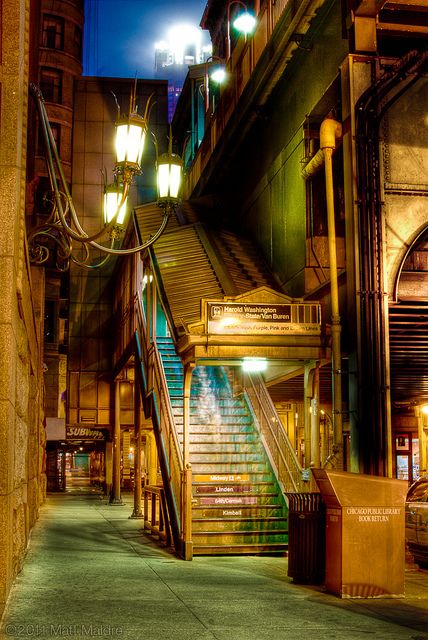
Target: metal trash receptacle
{"x":306,"y":538}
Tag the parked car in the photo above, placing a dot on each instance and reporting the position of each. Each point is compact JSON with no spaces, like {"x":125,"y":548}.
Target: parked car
{"x":417,"y":520}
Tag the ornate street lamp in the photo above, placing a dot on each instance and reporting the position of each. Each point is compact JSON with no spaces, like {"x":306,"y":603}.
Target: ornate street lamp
{"x":131,"y":133}
{"x":169,"y":172}
{"x":216,"y":72}
{"x":63,"y":225}
{"x":244,"y":22}
{"x":114,"y":207}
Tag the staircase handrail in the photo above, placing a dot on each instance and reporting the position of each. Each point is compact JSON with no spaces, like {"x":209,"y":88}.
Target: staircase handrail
{"x":160,"y":371}
{"x":281,"y":453}
{"x":173,"y":455}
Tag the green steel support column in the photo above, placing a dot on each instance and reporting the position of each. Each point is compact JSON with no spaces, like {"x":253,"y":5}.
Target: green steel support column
{"x":187,"y":473}
{"x":116,"y":497}
{"x":315,"y":419}
{"x":137,"y":512}
{"x":308,"y":376}
{"x":152,"y":462}
{"x":108,"y":464}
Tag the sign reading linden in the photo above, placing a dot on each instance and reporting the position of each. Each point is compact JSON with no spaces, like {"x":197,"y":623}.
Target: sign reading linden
{"x":234,"y":318}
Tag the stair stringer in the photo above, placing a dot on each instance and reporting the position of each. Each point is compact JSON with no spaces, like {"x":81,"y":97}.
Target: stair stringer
{"x":151,"y":409}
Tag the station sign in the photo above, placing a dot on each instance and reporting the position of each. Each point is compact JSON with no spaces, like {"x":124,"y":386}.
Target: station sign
{"x":227,"y":500}
{"x":221,"y":477}
{"x":236,"y":318}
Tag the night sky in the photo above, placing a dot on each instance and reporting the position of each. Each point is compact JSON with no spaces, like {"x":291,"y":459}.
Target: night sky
{"x":120,"y":36}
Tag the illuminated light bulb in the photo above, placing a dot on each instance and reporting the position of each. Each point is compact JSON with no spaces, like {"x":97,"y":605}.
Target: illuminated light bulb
{"x":113,"y":196}
{"x":245,"y":23}
{"x":254,"y":365}
{"x":219,"y":75}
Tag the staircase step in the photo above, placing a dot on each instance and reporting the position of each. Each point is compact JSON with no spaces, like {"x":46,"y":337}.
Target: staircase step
{"x":173,"y":375}
{"x":219,"y":418}
{"x":234,"y":489}
{"x":225,"y":425}
{"x":223,"y":457}
{"x":235,"y":525}
{"x":196,"y":402}
{"x":211,"y":434}
{"x":236,"y":501}
{"x":221,"y":511}
{"x":238,"y":466}
{"x":226,"y":438}
{"x":240,"y":549}
{"x":237,"y":424}
{"x":251,"y":536}
{"x":251,"y":451}
{"x":218,"y":447}
{"x":217,"y":478}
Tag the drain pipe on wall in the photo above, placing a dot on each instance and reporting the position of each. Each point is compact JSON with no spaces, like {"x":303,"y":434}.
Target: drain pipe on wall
{"x":331,"y":130}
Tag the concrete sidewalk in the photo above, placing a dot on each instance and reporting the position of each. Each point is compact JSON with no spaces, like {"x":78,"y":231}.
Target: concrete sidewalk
{"x":91,"y":572}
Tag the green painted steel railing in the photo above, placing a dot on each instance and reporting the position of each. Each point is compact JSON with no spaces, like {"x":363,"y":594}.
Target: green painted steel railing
{"x":170,"y":453}
{"x":282,"y":455}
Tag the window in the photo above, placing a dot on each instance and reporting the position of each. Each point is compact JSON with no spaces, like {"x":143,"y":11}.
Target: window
{"x":77,"y":43}
{"x":407,"y":456}
{"x":51,"y":84}
{"x":53,"y":32}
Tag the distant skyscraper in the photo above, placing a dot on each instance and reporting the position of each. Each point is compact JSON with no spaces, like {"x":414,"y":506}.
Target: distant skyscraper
{"x":173,"y":57}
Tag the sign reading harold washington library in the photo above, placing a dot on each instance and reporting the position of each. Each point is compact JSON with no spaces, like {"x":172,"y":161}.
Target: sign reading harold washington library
{"x":234,"y":318}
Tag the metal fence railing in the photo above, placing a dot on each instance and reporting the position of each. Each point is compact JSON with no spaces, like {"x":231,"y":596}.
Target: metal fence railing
{"x":282,"y":455}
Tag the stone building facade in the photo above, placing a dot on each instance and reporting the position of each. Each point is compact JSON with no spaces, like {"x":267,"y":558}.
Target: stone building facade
{"x":41,"y":43}
{"x":22,"y":435}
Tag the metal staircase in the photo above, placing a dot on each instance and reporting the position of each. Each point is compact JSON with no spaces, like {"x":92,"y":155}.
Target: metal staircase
{"x":238,"y":506}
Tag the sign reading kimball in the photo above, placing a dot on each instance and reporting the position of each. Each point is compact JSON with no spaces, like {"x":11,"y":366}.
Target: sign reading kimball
{"x":234,"y":318}
{"x":83,"y":433}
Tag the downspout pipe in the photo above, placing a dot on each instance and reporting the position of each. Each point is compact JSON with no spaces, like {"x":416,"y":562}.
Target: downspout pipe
{"x":330,"y":131}
{"x":314,"y":165}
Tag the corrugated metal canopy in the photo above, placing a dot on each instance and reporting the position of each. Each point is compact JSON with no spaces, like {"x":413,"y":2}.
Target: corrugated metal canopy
{"x":194,"y":263}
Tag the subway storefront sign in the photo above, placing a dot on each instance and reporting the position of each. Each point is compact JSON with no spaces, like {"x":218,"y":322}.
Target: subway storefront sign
{"x":77,"y":432}
{"x":235,"y":318}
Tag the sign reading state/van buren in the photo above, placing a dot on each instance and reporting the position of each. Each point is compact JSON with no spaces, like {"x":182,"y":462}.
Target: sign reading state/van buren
{"x":232,"y":318}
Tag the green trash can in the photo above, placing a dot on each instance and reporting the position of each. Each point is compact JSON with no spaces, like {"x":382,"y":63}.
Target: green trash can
{"x":306,"y":538}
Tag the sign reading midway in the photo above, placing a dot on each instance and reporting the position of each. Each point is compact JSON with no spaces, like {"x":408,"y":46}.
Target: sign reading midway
{"x":234,"y":318}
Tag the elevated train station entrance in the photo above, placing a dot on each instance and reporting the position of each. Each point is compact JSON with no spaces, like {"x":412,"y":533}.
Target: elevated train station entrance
{"x":206,"y":322}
